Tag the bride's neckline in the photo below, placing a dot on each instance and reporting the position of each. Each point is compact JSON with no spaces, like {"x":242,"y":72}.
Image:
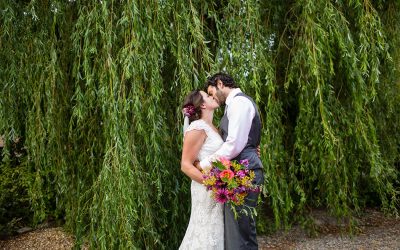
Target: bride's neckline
{"x":213,"y":128}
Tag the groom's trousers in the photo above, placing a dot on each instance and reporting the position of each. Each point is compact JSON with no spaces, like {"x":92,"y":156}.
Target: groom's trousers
{"x":240,"y":233}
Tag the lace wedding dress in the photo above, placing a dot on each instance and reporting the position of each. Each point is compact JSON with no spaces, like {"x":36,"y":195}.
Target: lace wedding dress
{"x":206,"y":224}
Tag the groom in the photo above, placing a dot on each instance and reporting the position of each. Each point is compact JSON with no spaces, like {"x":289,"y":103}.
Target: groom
{"x":241,"y":131}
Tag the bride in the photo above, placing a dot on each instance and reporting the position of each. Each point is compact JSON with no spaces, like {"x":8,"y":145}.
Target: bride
{"x":201,"y":139}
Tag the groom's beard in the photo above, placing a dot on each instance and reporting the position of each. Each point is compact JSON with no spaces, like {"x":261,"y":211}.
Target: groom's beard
{"x":220,"y":97}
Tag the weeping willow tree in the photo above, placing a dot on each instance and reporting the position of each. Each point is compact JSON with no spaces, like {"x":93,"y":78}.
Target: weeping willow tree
{"x":334,"y":65}
{"x":91,"y":122}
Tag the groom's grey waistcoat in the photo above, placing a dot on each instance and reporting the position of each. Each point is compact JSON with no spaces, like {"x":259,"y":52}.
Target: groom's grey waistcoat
{"x":250,"y":150}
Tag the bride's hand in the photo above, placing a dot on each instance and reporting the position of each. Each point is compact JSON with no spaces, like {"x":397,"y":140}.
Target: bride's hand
{"x":196,"y":163}
{"x":258,"y":151}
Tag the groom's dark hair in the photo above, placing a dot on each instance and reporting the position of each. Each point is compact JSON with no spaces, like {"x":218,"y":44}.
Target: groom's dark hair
{"x":226,"y":79}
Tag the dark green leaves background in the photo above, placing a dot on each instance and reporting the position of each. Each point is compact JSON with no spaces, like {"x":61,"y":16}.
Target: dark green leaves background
{"x":91,"y":122}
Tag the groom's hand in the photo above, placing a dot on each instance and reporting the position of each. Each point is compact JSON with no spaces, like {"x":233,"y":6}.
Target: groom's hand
{"x":258,"y":151}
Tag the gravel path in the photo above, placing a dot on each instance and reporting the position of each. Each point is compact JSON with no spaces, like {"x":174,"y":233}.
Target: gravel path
{"x":43,"y":239}
{"x":379,"y":238}
{"x":375,"y":231}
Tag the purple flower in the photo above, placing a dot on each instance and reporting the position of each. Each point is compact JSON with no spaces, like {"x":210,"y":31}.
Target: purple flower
{"x":219,"y":183}
{"x":241,"y":174}
{"x":216,"y":172}
{"x":221,"y":195}
{"x":245,"y":162}
{"x":240,"y":189}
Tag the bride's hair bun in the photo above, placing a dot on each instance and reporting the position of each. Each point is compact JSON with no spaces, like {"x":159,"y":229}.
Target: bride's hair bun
{"x":191,"y":105}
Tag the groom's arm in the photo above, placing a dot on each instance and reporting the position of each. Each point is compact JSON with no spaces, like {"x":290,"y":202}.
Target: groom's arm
{"x":240,"y":115}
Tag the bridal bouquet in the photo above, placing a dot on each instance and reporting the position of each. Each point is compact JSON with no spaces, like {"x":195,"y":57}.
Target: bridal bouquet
{"x":229,"y":181}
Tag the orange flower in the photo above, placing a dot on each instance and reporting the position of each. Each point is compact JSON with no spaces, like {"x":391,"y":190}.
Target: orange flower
{"x":225,"y":162}
{"x":227,"y":174}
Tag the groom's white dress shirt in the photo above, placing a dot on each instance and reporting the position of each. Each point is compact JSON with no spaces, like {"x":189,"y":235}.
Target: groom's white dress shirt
{"x":240,"y":113}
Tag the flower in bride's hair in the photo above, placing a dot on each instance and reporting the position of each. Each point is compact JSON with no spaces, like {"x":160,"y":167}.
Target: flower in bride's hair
{"x":189,"y":110}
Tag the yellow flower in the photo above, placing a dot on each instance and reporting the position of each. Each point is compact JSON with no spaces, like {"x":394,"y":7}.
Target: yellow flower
{"x":210,"y":181}
{"x":239,"y":199}
{"x":252,"y":175}
{"x":245,"y":181}
{"x":236,"y":166}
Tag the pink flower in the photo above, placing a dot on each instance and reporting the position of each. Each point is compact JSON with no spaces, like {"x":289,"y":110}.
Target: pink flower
{"x":221,"y":195}
{"x":225,"y":162}
{"x":227,"y":174}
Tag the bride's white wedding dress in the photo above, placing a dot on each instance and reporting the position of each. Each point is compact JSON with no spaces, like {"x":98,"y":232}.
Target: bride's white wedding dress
{"x":206,"y":224}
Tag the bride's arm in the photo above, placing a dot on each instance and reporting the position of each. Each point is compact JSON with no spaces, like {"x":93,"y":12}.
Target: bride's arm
{"x":192,"y":143}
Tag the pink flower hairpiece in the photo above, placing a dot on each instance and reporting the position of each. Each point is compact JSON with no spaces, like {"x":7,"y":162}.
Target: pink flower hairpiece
{"x":189,"y":110}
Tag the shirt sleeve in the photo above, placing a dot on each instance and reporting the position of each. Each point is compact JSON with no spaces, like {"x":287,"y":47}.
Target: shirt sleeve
{"x":240,"y":115}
